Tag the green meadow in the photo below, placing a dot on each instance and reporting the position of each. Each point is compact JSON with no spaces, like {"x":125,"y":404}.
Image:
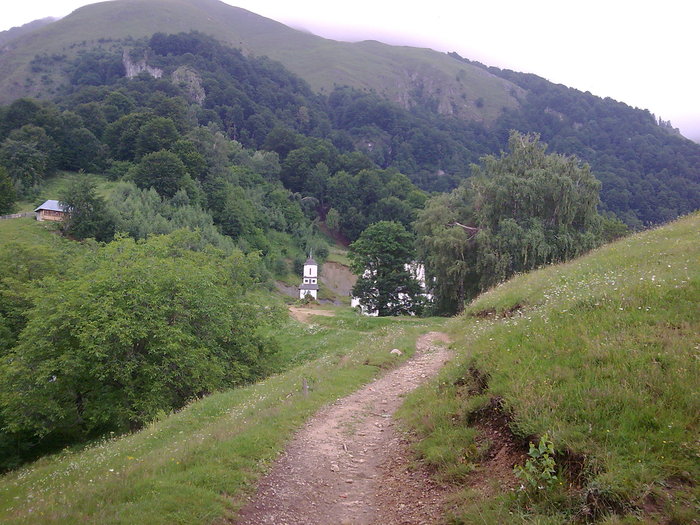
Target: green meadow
{"x":601,"y":355}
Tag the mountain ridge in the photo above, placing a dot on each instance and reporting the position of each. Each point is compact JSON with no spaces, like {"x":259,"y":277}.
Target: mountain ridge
{"x":7,"y":36}
{"x":402,"y":74}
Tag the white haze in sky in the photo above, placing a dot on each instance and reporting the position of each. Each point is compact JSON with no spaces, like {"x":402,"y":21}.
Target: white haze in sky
{"x":639,"y":52}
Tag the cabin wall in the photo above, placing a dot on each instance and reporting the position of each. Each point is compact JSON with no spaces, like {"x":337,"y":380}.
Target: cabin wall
{"x":50,"y":215}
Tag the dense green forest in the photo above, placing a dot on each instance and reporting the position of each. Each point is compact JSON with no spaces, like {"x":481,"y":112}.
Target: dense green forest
{"x":260,"y":138}
{"x":648,"y":174}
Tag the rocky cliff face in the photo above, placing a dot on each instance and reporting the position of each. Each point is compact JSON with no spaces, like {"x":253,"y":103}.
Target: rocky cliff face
{"x":191,"y":82}
{"x":426,"y":86}
{"x":135,"y":68}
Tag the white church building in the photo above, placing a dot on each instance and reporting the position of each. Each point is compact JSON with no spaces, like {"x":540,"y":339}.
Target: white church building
{"x":309,"y":285}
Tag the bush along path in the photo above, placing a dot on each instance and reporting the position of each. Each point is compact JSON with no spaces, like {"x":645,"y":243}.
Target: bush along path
{"x":349,"y":464}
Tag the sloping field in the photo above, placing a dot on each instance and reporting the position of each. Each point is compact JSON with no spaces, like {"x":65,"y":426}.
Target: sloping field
{"x":601,"y":357}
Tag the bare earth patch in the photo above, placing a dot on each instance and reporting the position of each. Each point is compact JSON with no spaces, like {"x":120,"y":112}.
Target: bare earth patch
{"x":494,"y":473}
{"x":303,"y":314}
{"x":338,"y":278}
{"x":349,"y":464}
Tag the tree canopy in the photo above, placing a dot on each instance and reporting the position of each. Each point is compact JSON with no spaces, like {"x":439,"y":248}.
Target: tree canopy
{"x":381,"y":257}
{"x":522,"y":209}
{"x":531,"y":209}
{"x":135,"y":329}
{"x":8,"y":194}
{"x":88,"y":215}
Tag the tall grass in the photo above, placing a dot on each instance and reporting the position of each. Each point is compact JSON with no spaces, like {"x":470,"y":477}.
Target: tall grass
{"x":602,"y":354}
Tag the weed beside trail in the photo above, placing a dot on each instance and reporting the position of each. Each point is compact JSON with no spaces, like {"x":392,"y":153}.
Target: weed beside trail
{"x":602,"y":356}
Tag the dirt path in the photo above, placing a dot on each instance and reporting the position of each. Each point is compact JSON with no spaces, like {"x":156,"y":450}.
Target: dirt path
{"x":303,"y":315}
{"x":349,"y":465}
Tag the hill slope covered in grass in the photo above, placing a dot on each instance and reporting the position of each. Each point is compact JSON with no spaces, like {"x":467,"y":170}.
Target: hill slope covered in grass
{"x":196,"y":465}
{"x":395,"y":72}
{"x":600,"y":355}
{"x":6,"y":37}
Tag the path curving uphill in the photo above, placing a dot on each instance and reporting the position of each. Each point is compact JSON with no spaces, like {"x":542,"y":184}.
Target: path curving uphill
{"x":349,"y":465}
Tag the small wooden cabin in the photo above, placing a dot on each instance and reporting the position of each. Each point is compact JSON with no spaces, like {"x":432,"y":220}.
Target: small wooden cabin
{"x":51,"y":210}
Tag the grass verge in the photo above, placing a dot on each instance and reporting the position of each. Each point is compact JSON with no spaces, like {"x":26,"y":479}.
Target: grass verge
{"x":602,"y":354}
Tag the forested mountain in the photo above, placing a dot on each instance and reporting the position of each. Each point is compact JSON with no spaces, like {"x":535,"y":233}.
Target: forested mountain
{"x":426,"y":114}
{"x":648,"y":170}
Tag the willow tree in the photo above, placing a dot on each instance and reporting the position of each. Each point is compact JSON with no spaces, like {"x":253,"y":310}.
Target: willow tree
{"x":532,"y":208}
{"x":447,"y":248}
{"x":520,"y":210}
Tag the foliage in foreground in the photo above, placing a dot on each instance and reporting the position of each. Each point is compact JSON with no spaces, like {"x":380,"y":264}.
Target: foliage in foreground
{"x":599,"y":354}
{"x":131,"y":330}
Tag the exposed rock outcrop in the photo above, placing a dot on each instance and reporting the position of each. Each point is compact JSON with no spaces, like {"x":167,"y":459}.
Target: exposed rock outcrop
{"x":191,"y":82}
{"x":133,"y":68}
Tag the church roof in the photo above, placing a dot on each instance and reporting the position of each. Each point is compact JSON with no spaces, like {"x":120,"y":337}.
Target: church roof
{"x":310,"y":262}
{"x":308,"y":287}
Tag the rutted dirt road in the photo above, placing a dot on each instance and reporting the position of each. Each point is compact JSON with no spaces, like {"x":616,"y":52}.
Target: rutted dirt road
{"x":349,"y":465}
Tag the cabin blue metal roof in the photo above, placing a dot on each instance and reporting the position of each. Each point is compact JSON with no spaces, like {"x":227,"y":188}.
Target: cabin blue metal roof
{"x":52,"y":205}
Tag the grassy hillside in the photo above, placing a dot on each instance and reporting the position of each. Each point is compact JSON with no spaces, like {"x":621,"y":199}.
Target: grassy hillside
{"x":405,"y":75}
{"x":600,"y":355}
{"x":194,"y":466}
{"x":28,"y":231}
{"x":52,"y":187}
{"x":6,"y":37}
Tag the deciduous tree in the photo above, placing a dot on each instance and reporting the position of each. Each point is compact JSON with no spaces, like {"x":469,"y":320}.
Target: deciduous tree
{"x":88,"y":216}
{"x":163,"y":171}
{"x":7,"y":192}
{"x":133,"y":333}
{"x":380,"y":257}
{"x":532,"y":208}
{"x":520,"y":210}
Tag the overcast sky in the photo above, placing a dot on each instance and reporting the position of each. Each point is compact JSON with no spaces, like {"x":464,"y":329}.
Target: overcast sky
{"x":640,"y":52}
